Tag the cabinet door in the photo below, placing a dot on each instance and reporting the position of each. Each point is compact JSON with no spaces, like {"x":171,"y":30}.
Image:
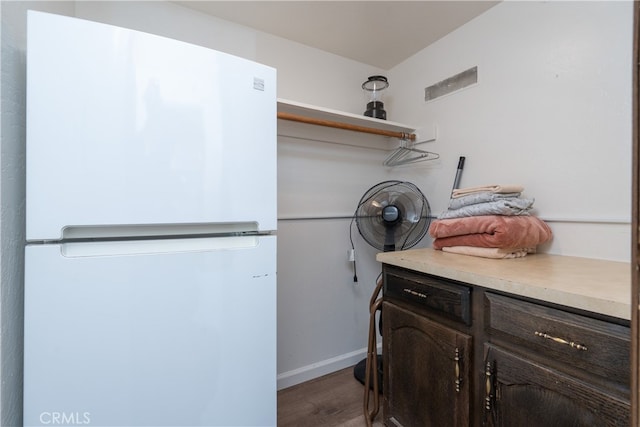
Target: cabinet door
{"x":426,"y":371}
{"x":523,"y":393}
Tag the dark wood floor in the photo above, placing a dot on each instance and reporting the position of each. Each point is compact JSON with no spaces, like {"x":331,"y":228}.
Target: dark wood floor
{"x":330,"y":401}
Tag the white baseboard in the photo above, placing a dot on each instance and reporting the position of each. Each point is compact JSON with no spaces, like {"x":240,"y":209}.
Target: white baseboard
{"x":323,"y":367}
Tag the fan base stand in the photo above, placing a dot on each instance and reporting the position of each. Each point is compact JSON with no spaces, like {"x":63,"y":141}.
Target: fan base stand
{"x":359,"y":373}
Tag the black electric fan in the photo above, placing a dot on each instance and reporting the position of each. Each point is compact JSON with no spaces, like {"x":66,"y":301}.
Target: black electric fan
{"x":393,"y":215}
{"x":390,"y":215}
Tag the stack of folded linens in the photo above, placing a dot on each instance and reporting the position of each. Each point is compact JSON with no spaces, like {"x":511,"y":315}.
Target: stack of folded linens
{"x":490,"y":221}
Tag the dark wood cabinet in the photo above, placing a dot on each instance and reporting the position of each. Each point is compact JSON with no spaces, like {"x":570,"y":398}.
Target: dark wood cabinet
{"x":516,"y":361}
{"x":549,"y":367}
{"x":427,"y":351}
{"x":426,"y":370}
{"x":524,"y":393}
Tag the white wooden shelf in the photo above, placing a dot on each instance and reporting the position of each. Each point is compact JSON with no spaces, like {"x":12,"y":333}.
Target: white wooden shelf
{"x":355,"y":137}
{"x":322,"y":113}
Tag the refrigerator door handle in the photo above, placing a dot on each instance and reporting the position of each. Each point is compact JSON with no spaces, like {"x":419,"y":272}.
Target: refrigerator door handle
{"x":156,"y":246}
{"x":151,"y":230}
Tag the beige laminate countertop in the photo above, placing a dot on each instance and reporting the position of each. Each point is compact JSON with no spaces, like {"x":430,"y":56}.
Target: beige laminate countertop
{"x":598,"y":286}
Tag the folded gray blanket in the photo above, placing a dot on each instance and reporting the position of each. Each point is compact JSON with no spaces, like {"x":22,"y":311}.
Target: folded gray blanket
{"x":509,"y":207}
{"x":482,"y":197}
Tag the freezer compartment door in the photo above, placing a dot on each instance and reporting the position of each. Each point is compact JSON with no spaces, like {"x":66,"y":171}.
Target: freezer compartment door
{"x":125,"y":127}
{"x":163,"y":339}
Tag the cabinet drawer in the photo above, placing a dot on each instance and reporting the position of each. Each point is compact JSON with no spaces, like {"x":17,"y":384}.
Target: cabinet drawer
{"x":595,"y":346}
{"x":441,"y":296}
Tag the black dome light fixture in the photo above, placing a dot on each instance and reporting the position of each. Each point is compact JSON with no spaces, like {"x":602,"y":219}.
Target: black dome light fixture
{"x":373,"y":87}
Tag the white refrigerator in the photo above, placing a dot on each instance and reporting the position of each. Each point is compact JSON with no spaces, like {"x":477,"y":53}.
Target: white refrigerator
{"x":150,"y":264}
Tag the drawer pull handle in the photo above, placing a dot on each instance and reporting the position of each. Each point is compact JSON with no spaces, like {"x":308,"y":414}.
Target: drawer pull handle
{"x":488,"y":396}
{"x":414,"y":293}
{"x":458,"y":380}
{"x":571,"y":344}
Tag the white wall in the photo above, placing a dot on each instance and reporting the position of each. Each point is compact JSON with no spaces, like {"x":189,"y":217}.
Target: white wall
{"x":551,"y":111}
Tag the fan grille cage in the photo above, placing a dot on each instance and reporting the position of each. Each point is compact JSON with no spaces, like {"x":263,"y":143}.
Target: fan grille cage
{"x":414,"y":210}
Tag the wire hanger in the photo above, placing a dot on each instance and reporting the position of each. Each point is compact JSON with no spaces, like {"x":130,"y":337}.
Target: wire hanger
{"x":407,"y":153}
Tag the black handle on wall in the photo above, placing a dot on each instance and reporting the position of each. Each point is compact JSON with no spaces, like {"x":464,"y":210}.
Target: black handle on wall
{"x":456,"y":181}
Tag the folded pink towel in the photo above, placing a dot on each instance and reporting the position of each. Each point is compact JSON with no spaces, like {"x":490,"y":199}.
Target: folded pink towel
{"x":491,"y":188}
{"x":490,"y":231}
